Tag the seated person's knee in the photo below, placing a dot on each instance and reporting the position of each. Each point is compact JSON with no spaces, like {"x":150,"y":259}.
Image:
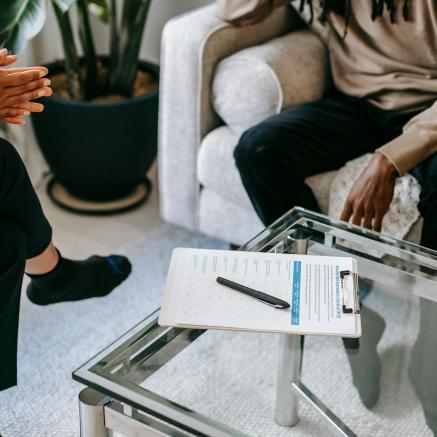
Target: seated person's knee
{"x":252,"y":145}
{"x":13,"y":243}
{"x":9,"y":157}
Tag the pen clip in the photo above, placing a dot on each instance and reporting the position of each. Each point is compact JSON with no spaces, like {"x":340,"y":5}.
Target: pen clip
{"x":279,"y":307}
{"x":356,"y":306}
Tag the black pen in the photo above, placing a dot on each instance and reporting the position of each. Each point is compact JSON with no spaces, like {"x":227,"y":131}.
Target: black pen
{"x":263,"y":297}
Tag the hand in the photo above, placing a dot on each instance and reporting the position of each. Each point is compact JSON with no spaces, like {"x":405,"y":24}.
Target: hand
{"x":371,"y":195}
{"x":15,"y":114}
{"x":18,"y":86}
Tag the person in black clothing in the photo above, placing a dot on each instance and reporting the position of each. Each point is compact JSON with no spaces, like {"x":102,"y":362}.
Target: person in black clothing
{"x":25,"y":234}
{"x":276,"y":156}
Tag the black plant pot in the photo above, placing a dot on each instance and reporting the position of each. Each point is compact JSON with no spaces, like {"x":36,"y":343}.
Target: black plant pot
{"x":99,"y":152}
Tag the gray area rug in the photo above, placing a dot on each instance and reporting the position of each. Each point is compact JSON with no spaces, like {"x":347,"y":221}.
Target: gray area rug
{"x":231,"y":376}
{"x":226,"y":375}
{"x":57,"y":339}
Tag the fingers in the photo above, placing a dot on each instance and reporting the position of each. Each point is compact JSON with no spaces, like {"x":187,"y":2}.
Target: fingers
{"x":14,"y":120}
{"x":30,"y":106}
{"x":368,"y":217}
{"x":6,"y":59}
{"x":16,"y":113}
{"x":377,"y":221}
{"x":357,"y":216}
{"x":48,"y":91}
{"x":24,"y":69}
{"x":26,"y":77}
{"x":354,"y":211}
{"x":29,"y":86}
{"x":27,"y":96}
{"x":347,"y":212}
{"x":13,"y":112}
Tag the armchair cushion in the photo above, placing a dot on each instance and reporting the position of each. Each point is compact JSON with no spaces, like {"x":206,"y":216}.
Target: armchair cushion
{"x":260,"y":81}
{"x":216,"y":168}
{"x":217,"y":171}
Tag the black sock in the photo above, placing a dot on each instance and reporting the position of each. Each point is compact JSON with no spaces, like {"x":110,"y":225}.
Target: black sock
{"x":72,"y":280}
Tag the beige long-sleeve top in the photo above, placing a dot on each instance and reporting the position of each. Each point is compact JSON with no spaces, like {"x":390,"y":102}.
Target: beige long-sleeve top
{"x":394,"y":66}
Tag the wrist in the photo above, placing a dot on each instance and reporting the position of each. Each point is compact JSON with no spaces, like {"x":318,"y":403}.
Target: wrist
{"x":386,"y":165}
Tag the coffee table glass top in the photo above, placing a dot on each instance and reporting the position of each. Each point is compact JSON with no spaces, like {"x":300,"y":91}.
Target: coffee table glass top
{"x":223,"y":383}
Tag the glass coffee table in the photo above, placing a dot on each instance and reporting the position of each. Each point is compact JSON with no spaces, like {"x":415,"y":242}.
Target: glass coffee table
{"x":157,"y":381}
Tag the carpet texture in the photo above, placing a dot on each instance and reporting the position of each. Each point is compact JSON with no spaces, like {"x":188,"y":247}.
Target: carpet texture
{"x":231,"y":377}
{"x":56,"y":339}
{"x":228,"y":376}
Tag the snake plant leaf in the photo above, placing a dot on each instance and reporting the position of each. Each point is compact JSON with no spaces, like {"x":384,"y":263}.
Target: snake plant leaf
{"x":100,"y":9}
{"x":64,"y":5}
{"x":20,"y":21}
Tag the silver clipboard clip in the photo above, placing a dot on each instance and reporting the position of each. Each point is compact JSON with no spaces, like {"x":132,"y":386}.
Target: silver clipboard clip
{"x":356,"y":307}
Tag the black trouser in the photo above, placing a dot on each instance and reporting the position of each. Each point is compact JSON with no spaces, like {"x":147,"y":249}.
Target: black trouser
{"x":276,"y":156}
{"x":24,"y":233}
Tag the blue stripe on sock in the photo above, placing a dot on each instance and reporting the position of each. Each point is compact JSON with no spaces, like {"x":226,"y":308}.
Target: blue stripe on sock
{"x":114,"y":265}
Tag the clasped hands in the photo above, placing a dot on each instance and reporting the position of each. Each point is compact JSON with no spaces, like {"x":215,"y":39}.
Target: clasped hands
{"x":18,"y":87}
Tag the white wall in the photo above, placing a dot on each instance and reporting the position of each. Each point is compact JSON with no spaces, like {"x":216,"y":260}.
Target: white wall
{"x":161,"y":12}
{"x":47,"y":46}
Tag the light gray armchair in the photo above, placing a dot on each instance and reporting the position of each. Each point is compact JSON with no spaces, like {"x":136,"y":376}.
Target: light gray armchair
{"x":216,"y":81}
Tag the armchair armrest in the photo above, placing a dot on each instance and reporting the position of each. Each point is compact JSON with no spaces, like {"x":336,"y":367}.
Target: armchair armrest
{"x":258,"y":82}
{"x":192,"y":45}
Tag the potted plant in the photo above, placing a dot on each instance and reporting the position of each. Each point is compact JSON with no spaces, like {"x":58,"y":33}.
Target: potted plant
{"x":98,"y":132}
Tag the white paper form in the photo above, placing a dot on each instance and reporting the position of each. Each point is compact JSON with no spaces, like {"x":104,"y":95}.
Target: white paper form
{"x":311,"y":284}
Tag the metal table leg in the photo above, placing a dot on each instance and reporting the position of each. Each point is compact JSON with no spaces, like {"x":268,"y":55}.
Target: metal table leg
{"x":290,"y":358}
{"x":92,"y":415}
{"x":290,"y":355}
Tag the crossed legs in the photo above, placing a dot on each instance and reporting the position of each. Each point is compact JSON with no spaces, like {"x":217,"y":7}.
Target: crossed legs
{"x":26,"y":246}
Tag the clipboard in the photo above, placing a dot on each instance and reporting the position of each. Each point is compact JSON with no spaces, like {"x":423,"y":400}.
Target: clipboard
{"x":351,"y":295}
{"x":322,"y":300}
{"x":352,"y":344}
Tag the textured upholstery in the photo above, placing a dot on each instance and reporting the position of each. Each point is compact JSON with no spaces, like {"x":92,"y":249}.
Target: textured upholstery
{"x":216,"y":170}
{"x":227,"y":220}
{"x":278,"y":84}
{"x":200,"y":187}
{"x":192,"y":46}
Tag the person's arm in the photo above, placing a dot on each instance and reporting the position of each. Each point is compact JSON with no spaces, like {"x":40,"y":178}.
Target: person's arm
{"x":417,"y":142}
{"x":371,"y":195}
{"x":18,"y":86}
{"x":247,"y":12}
